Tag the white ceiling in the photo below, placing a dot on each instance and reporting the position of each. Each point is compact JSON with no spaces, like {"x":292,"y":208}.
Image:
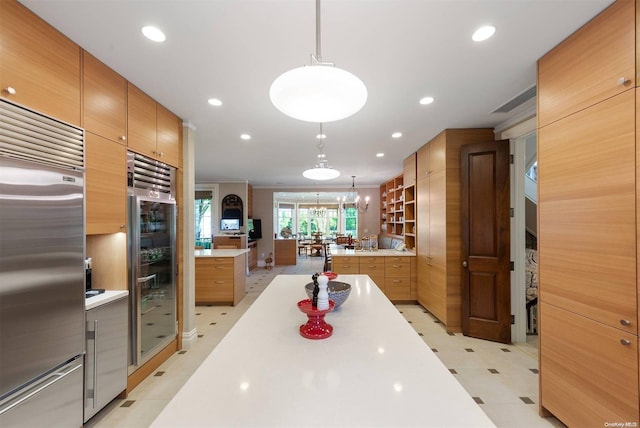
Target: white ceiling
{"x":401,"y":49}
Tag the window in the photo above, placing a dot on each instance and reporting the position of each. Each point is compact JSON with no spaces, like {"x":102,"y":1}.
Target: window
{"x":285,"y":220}
{"x":351,"y":222}
{"x":205,"y":215}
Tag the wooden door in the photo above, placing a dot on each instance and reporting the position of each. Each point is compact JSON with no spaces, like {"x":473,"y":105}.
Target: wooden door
{"x":486,"y":311}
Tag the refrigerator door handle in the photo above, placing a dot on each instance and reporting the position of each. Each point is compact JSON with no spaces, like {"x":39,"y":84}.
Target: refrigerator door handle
{"x":42,"y":385}
{"x":147,"y":278}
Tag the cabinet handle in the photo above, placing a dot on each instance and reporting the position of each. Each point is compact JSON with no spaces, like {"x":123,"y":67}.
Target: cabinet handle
{"x":10,"y":90}
{"x":123,"y":138}
{"x":625,"y":342}
{"x":395,"y":281}
{"x":219,"y":267}
{"x":122,"y":226}
{"x":219,"y":282}
{"x":625,"y":323}
{"x":464,"y":263}
{"x":396,"y":266}
{"x":95,"y":363}
{"x":160,"y":154}
{"x":623,"y":81}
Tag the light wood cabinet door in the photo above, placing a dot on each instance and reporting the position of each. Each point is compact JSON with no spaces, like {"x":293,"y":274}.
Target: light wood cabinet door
{"x":142,"y":123}
{"x":105,"y":185}
{"x":438,"y":153}
{"x":346,"y":265}
{"x":588,"y":371}
{"x":587,"y":67}
{"x":169,"y":137}
{"x":409,"y":170}
{"x":41,"y":65}
{"x":587,"y":213}
{"x":104,"y":98}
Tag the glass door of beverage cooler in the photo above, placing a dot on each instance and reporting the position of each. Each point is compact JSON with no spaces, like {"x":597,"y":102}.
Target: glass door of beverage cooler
{"x":153,"y":277}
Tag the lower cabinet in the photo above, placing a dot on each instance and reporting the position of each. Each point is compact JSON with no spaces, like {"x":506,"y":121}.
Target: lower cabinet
{"x":220,"y":280}
{"x":394,"y":275}
{"x":588,"y":370}
{"x":105,"y":368}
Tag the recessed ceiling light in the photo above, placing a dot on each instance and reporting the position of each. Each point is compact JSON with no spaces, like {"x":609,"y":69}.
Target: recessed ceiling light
{"x":321,"y":136}
{"x":426,"y":100}
{"x":483,"y":33}
{"x":245,"y":136}
{"x":214,"y":102}
{"x":379,"y":155}
{"x":396,"y":135}
{"x":153,"y":33}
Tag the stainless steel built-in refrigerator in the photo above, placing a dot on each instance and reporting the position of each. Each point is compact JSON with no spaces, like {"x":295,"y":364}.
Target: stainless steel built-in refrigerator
{"x":152,"y":257}
{"x":41,"y":270}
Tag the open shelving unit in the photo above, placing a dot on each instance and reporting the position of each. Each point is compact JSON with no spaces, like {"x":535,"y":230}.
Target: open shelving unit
{"x":392,"y":207}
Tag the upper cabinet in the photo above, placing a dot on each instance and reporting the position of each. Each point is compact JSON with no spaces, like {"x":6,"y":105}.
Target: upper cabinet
{"x":153,"y":130}
{"x":104,"y":99}
{"x":409,"y":170}
{"x":169,"y":127}
{"x":40,"y":68}
{"x":602,"y":64}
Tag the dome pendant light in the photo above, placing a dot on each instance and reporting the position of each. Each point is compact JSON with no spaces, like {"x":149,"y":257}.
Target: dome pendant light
{"x":319,"y":92}
{"x":321,"y":171}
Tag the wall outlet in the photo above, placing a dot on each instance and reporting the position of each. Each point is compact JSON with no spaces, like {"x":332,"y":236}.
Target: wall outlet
{"x":262,"y":255}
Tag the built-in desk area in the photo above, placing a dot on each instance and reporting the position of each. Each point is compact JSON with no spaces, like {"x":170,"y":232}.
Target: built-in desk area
{"x":220,"y":276}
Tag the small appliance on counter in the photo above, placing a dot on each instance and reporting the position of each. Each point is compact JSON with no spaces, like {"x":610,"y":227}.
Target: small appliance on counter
{"x":89,"y":291}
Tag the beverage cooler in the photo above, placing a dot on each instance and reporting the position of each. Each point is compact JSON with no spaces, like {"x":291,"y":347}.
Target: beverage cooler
{"x":152,"y":255}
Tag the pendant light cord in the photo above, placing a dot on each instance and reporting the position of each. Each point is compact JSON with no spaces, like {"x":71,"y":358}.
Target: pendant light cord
{"x":318,"y":35}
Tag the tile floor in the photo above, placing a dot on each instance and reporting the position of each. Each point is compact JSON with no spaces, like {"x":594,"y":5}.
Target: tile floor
{"x":501,"y":378}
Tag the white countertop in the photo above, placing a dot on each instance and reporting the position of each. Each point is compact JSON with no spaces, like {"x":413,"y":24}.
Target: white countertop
{"x":104,"y":298}
{"x":220,"y":253}
{"x":375,"y":371}
{"x":367,"y":253}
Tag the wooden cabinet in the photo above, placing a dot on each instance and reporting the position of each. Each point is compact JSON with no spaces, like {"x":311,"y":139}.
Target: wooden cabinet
{"x":409,"y":170}
{"x":394,"y":275}
{"x":230,"y":241}
{"x":346,"y":264}
{"x":220,"y":280}
{"x":438,"y":223}
{"x":375,"y":268}
{"x":169,"y":147}
{"x":589,"y":371}
{"x":40,"y":68}
{"x":397,"y":278}
{"x":152,"y":129}
{"x":589,"y":65}
{"x":392,"y":207}
{"x":252,"y":257}
{"x":105,"y":185}
{"x":587,"y":209}
{"x":285,"y":252}
{"x":589,"y":227}
{"x":104,"y":100}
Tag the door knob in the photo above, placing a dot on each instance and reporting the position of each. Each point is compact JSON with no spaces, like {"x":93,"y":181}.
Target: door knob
{"x":625,"y":342}
{"x":625,"y":323}
{"x":464,"y":263}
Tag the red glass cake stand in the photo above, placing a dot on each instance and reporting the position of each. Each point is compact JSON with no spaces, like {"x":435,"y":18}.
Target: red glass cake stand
{"x":316,"y":327}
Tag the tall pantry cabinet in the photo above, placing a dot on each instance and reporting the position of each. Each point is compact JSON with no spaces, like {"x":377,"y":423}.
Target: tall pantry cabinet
{"x":439,"y":254}
{"x":588,"y":201}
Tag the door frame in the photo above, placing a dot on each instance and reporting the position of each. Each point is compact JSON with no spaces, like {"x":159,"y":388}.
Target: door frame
{"x":517,"y":136}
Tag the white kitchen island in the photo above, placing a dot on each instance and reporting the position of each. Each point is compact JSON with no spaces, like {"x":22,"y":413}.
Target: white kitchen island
{"x":374,"y":371}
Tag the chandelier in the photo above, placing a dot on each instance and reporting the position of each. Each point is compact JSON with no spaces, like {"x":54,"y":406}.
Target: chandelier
{"x":318,"y":211}
{"x":320,"y":92}
{"x":321,"y":171}
{"x":352,"y":198}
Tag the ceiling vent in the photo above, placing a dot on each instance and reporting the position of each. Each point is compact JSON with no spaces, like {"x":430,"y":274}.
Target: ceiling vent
{"x":517,"y":101}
